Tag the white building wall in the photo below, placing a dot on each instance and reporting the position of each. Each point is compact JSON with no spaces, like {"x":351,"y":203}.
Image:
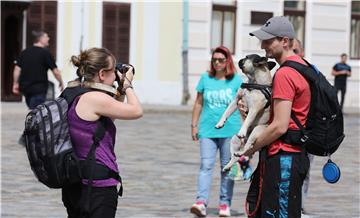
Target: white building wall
{"x":327,"y":35}
{"x":159,"y":56}
{"x":199,"y":42}
{"x":155,"y":45}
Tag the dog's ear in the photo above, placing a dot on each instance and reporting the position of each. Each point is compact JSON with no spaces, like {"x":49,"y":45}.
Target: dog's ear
{"x":271,"y":65}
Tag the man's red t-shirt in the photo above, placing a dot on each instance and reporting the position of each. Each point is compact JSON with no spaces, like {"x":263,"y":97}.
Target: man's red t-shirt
{"x":290,"y":85}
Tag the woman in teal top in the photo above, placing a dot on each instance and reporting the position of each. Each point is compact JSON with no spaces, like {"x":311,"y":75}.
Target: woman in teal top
{"x":215,"y":91}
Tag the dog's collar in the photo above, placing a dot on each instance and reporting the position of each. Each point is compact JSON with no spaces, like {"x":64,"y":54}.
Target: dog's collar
{"x":255,"y":86}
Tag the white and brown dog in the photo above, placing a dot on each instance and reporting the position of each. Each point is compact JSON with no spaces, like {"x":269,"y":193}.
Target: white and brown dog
{"x":256,"y":96}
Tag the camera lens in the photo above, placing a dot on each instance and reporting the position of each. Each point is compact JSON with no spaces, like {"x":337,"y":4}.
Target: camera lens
{"x":121,"y":68}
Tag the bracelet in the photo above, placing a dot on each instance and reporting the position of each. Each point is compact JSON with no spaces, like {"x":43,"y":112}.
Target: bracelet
{"x":193,"y":126}
{"x":123,"y":90}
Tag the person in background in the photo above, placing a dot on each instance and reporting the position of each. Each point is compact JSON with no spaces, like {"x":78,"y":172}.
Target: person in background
{"x":299,"y":50}
{"x":341,"y":71}
{"x":30,"y":72}
{"x":97,"y":65}
{"x":215,"y":91}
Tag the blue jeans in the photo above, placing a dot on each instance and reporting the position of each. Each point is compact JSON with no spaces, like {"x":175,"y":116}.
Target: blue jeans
{"x":34,"y":100}
{"x":208,"y":150}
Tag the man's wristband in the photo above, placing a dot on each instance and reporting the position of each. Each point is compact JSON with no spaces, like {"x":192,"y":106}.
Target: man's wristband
{"x":123,"y":90}
{"x":193,"y":126}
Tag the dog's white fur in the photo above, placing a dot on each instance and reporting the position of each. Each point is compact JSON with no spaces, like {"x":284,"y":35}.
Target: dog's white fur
{"x":257,"y":118}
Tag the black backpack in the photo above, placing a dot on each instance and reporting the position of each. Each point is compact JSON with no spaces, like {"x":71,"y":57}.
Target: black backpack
{"x":49,"y":146}
{"x":324,"y":127}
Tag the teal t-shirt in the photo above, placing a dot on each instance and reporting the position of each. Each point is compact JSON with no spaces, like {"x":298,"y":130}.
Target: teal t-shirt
{"x":217,"y":95}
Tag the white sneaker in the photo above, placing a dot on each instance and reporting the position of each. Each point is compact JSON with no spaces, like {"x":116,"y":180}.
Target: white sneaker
{"x":198,"y":209}
{"x":224,"y":210}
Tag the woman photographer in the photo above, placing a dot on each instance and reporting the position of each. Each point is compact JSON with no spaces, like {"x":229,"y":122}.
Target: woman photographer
{"x":97,"y":65}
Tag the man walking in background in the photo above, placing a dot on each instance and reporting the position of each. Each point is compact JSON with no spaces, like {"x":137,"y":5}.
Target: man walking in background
{"x":341,"y":71}
{"x":30,"y":72}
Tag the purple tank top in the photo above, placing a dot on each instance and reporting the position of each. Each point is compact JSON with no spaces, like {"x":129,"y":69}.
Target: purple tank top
{"x":81,"y":132}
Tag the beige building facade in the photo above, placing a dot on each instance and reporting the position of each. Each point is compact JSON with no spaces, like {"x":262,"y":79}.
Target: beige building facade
{"x":152,"y":36}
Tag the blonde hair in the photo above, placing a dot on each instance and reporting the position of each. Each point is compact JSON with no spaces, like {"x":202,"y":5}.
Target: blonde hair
{"x":90,"y":61}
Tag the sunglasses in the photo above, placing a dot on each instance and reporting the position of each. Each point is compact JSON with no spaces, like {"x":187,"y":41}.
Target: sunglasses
{"x":220,"y":60}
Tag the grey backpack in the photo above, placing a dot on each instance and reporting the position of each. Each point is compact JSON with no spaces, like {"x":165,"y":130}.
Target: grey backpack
{"x":49,"y":147}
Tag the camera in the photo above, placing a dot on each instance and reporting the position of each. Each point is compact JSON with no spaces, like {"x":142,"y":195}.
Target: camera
{"x":122,"y":68}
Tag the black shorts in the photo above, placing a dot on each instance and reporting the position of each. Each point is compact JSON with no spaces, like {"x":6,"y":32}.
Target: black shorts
{"x":103,"y":201}
{"x":283,"y":176}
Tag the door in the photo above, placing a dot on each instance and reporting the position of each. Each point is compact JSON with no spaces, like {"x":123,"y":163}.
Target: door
{"x":11,"y":44}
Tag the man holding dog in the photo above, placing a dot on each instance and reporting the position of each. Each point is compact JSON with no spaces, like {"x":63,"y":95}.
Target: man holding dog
{"x":275,"y":190}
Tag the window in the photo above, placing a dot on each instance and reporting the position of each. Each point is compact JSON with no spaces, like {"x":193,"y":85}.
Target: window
{"x":42,"y":15}
{"x":355,"y":30}
{"x":223,"y":25}
{"x":259,"y":18}
{"x":295,"y":11}
{"x":116,"y":29}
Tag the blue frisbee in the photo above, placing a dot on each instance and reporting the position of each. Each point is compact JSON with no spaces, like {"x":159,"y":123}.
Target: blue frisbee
{"x":331,"y":172}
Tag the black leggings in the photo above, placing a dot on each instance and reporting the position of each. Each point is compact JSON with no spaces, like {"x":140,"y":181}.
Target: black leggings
{"x":103,"y":201}
{"x":342,"y":90}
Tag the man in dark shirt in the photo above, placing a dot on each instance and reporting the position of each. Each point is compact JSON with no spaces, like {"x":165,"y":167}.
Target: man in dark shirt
{"x":341,"y":71}
{"x":30,"y":72}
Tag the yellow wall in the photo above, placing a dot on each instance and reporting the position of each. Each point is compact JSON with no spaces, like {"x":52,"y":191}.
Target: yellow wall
{"x":67,"y":70}
{"x":139,"y":38}
{"x":170,"y":41}
{"x":92,"y":21}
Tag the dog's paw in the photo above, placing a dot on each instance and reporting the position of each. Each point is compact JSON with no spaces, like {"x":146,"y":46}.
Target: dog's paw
{"x":220,"y":124}
{"x":227,"y":167}
{"x":239,"y":153}
{"x":242,"y":133}
{"x":235,"y":143}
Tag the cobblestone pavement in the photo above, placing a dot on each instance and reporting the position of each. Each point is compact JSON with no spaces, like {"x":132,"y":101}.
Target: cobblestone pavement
{"x":159,"y":164}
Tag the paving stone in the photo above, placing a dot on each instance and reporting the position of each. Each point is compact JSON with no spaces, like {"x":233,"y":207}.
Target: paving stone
{"x":159,"y":164}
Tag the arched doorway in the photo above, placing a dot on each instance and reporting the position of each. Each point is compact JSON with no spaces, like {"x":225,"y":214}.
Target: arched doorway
{"x":11,"y":44}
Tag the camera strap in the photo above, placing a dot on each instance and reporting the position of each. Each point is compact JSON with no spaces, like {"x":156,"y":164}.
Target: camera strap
{"x":93,"y":85}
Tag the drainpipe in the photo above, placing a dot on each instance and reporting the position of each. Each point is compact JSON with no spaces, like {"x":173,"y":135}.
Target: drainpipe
{"x":82,"y":26}
{"x":185,"y":74}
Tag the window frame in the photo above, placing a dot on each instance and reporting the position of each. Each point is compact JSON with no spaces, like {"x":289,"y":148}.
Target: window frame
{"x":356,"y":16}
{"x":299,"y":13}
{"x":120,"y":39}
{"x":38,"y":18}
{"x":223,"y":9}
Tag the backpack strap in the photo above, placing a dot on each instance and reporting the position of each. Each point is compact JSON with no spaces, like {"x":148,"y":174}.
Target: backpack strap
{"x":265,"y":89}
{"x":69,"y":94}
{"x":299,"y":137}
{"x":308,"y":72}
{"x":91,"y":160}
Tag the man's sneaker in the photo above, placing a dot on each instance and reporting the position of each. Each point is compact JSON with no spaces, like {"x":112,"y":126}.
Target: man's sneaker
{"x":199,"y":209}
{"x":224,"y":210}
{"x":304,"y":214}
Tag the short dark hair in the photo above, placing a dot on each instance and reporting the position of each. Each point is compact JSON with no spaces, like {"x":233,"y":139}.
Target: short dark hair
{"x":343,"y":54}
{"x":36,"y":34}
